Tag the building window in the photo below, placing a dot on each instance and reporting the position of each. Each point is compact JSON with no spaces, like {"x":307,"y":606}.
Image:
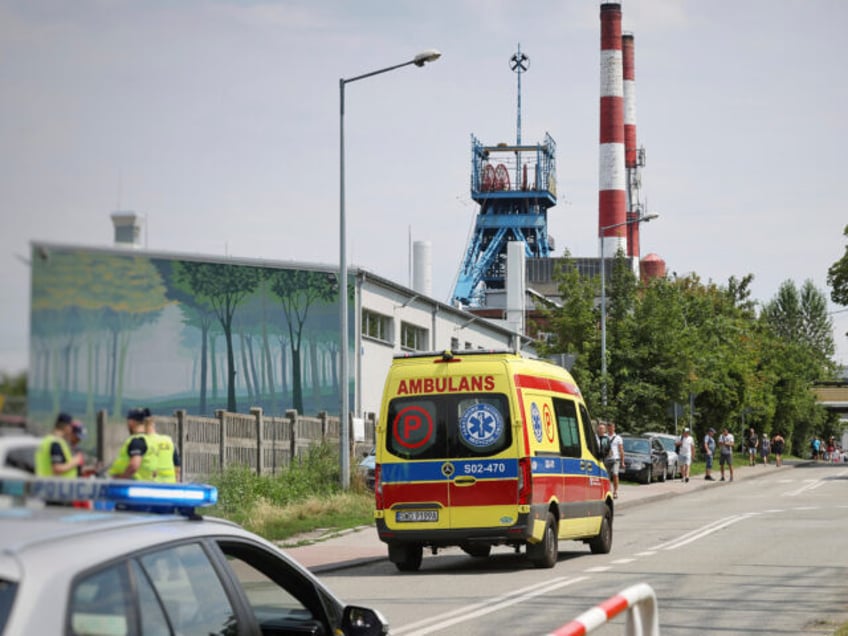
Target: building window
{"x":412,"y":337}
{"x":454,"y":344}
{"x":376,"y":326}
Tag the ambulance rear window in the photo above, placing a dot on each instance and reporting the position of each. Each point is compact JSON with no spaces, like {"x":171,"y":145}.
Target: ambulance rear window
{"x":444,"y":426}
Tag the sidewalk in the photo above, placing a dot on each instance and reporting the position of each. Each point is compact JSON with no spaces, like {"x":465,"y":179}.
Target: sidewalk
{"x":322,"y":552}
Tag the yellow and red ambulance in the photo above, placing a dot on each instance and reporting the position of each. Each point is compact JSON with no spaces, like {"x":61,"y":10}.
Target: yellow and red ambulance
{"x":477,"y":449}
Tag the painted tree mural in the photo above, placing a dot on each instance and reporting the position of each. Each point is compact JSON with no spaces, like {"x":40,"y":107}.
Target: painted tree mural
{"x":225,"y":287}
{"x":94,"y":297}
{"x":298,"y":291}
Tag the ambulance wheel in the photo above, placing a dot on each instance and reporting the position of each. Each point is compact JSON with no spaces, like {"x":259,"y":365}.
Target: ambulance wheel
{"x":476,"y":550}
{"x":545,"y":553}
{"x":407,"y":558}
{"x":602,"y":544}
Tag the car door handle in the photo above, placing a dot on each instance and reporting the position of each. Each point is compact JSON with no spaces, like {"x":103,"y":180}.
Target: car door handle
{"x":465,"y":481}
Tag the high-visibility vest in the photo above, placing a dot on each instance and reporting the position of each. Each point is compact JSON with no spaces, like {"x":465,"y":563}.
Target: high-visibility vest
{"x":164,"y":446}
{"x":44,"y":462}
{"x":147,"y":470}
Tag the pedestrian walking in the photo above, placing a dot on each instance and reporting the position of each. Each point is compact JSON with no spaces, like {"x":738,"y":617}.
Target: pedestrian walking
{"x":685,"y":450}
{"x":136,"y":459}
{"x":54,"y":457}
{"x":167,"y":456}
{"x":765,"y":449}
{"x":709,"y":452}
{"x":752,"y":443}
{"x":778,"y":444}
{"x":616,"y":458}
{"x":725,"y":455}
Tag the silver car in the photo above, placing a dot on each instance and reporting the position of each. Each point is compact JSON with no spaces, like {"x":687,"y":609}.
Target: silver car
{"x":669,"y":443}
{"x":85,"y":566}
{"x":17,"y":455}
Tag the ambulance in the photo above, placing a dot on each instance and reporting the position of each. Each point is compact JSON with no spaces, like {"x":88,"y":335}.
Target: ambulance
{"x":477,"y":449}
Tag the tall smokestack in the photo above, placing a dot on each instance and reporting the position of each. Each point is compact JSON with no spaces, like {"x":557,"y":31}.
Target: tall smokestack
{"x":631,"y":154}
{"x":612,"y":194}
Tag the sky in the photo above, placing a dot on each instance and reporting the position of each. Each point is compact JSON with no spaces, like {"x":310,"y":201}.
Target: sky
{"x":217,"y":121}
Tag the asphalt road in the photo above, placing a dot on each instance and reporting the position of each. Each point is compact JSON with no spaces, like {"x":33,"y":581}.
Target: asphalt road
{"x":766,"y":555}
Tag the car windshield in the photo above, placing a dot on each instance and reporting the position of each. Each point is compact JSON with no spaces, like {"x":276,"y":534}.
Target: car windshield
{"x":667,"y":443}
{"x":636,"y":445}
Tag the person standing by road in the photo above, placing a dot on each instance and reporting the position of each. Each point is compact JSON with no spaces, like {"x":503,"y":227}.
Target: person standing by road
{"x":777,"y":446}
{"x":726,"y":443}
{"x":615,"y":459}
{"x":53,"y":457}
{"x":685,"y":450}
{"x":765,"y":449}
{"x":167,"y":455}
{"x":136,"y":459}
{"x":752,"y":443}
{"x":709,"y":452}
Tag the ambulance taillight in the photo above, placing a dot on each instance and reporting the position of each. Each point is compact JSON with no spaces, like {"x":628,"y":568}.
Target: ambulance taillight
{"x":525,"y":481}
{"x":378,"y":488}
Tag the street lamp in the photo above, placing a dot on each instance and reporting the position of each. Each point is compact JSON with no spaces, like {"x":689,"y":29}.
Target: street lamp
{"x":419,"y":60}
{"x":641,"y":219}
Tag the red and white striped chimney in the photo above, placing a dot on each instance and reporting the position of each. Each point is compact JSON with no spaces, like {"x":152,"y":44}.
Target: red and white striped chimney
{"x":630,"y":154}
{"x":612,"y":194}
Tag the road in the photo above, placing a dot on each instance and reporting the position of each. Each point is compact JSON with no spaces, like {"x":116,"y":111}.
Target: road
{"x":764,"y":555}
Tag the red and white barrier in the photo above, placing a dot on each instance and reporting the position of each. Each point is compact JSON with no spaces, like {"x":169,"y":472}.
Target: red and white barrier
{"x":640,"y":603}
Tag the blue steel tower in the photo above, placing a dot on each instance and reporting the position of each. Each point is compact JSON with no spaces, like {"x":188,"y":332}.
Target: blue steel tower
{"x":514,"y":187}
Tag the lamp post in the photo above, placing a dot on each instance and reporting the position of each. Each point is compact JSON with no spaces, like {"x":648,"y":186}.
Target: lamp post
{"x":641,"y":219}
{"x":419,"y":60}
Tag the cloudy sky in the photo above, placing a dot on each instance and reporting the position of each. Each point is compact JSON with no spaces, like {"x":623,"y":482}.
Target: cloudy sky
{"x":218,"y":122}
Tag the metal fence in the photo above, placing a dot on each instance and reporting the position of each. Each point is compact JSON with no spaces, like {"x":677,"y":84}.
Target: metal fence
{"x":265,"y":444}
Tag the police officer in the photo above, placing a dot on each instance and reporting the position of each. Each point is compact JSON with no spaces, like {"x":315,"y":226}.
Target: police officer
{"x":136,"y":459}
{"x":167,"y":455}
{"x":54,"y":457}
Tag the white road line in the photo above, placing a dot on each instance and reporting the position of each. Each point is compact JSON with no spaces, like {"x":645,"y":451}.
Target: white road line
{"x":598,"y":568}
{"x":699,"y":533}
{"x":647,"y":553}
{"x":623,"y":561}
{"x":476,"y":610}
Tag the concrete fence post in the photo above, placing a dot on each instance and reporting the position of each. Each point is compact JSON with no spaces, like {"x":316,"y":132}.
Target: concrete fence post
{"x":180,"y":441}
{"x":221,"y":414}
{"x":291,"y":415}
{"x":256,"y":412}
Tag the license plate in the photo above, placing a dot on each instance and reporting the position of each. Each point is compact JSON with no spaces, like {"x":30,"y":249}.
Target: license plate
{"x":416,"y":515}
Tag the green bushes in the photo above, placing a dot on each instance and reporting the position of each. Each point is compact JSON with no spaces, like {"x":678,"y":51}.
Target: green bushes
{"x":304,"y":496}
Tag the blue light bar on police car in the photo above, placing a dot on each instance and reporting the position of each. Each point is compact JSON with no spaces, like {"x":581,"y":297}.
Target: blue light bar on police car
{"x":117,"y":493}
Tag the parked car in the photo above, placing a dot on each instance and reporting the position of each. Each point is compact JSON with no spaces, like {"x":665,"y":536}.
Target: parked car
{"x":669,"y":442}
{"x":645,"y":459}
{"x":17,"y":455}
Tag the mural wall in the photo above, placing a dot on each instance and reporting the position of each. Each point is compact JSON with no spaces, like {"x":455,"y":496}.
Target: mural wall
{"x":111,"y":329}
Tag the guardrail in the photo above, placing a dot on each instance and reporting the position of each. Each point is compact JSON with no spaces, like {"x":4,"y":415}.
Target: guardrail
{"x":640,"y":603}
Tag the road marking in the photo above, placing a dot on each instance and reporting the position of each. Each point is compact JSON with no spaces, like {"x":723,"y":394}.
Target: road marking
{"x":646,"y":553}
{"x":598,"y":568}
{"x":476,"y":610}
{"x":699,"y":533}
{"x":622,"y":561}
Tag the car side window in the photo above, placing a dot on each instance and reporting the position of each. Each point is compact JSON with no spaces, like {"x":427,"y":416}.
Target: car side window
{"x":281,"y":597}
{"x":101,"y":603}
{"x":194,"y":597}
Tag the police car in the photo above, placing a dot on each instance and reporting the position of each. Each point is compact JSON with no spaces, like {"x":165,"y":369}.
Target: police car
{"x":125,"y":557}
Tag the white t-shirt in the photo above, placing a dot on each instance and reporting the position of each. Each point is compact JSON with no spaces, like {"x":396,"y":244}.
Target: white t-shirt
{"x":726,"y":439}
{"x":616,"y":446}
{"x":687,"y":445}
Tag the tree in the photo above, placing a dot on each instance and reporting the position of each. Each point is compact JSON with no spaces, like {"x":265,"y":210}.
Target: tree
{"x":572,"y":327}
{"x":837,"y":277}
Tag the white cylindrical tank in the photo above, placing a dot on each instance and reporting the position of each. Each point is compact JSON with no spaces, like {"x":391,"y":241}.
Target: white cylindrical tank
{"x":422,"y":267}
